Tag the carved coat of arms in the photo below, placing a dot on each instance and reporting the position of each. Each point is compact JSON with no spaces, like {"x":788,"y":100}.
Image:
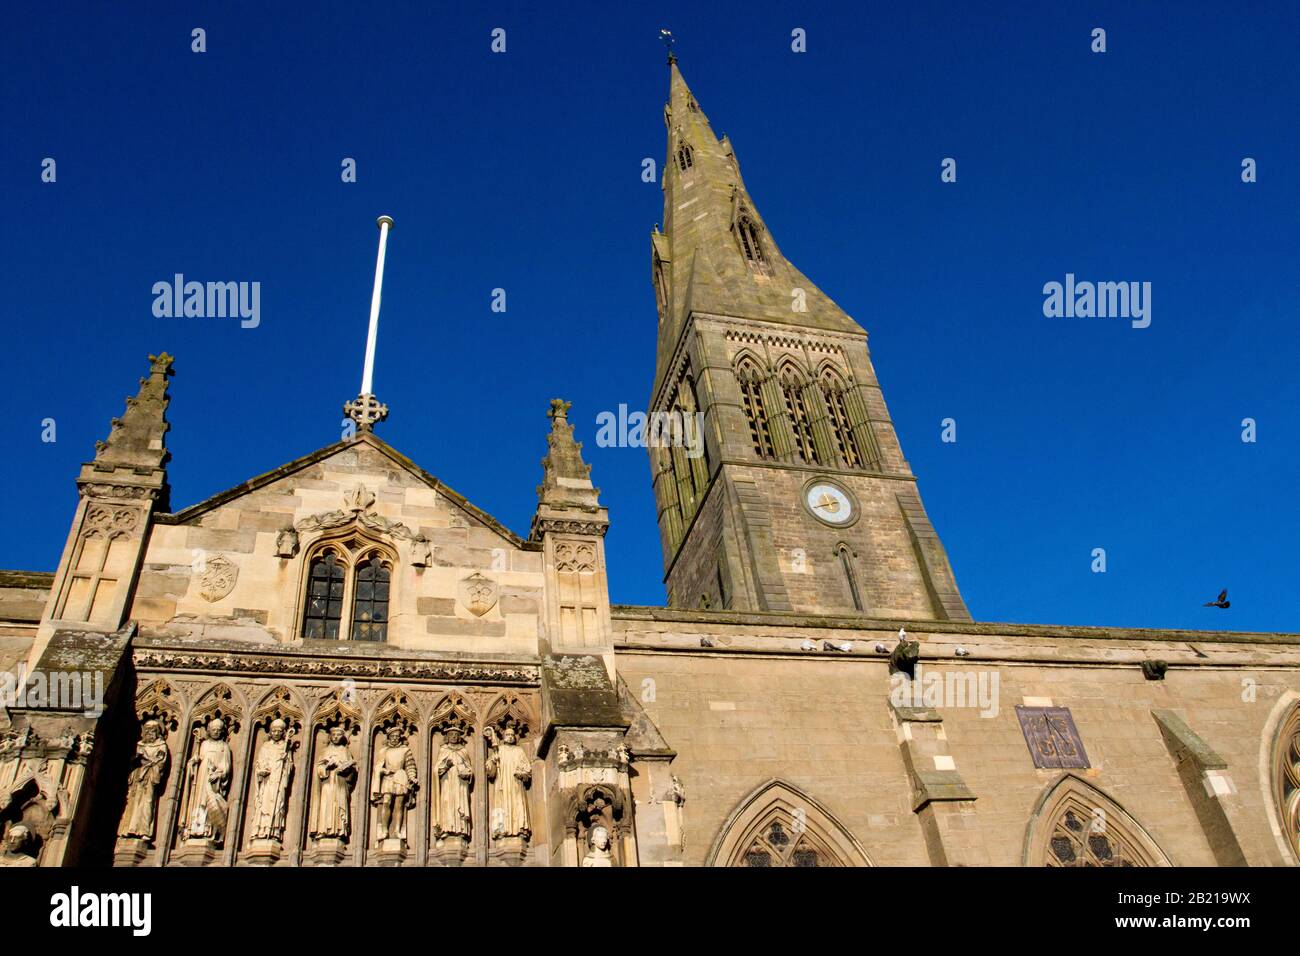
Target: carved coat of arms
{"x":478,"y":593}
{"x":218,"y":577}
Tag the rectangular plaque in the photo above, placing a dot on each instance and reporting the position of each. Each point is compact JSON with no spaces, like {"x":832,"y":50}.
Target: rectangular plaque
{"x":1052,"y":738}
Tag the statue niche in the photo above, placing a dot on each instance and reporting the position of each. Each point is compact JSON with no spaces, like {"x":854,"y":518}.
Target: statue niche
{"x":149,"y":767}
{"x":209,"y":771}
{"x":453,"y":782}
{"x":509,"y":772}
{"x":598,"y":826}
{"x":394,"y":784}
{"x":334,"y":770}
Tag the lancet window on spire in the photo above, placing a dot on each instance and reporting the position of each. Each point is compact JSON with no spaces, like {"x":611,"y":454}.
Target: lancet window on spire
{"x":796,"y":408}
{"x":750,"y":378}
{"x":685,"y":157}
{"x":747,"y":233}
{"x":833,"y":390}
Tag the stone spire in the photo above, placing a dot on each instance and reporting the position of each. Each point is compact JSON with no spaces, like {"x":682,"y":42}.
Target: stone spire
{"x":135,"y":456}
{"x":566,"y":478}
{"x":570,"y":524}
{"x":715,"y":254}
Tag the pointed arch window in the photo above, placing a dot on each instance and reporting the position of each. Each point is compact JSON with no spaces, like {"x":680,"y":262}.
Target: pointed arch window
{"x":1078,"y":825}
{"x":792,"y":386}
{"x":751,"y":391}
{"x":778,"y":825}
{"x":833,"y":391}
{"x":685,"y":157}
{"x":1286,"y":773}
{"x":747,"y":233}
{"x":324,"y":610}
{"x":370,"y":602}
{"x":348,"y":592}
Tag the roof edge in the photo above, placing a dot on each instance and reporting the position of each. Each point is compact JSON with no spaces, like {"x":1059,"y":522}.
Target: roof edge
{"x":632,"y":612}
{"x":360,"y":438}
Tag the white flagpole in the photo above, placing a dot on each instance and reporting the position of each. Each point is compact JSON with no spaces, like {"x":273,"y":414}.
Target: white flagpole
{"x":367,"y":378}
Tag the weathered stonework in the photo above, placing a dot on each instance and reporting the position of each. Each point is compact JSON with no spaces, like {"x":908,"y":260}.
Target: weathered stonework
{"x":343,"y":662}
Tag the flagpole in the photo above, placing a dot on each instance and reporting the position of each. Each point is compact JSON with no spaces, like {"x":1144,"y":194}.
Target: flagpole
{"x":368,"y":376}
{"x":365,"y":409}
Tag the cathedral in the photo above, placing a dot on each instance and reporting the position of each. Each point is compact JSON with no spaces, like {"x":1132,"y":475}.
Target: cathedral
{"x":344,"y":662}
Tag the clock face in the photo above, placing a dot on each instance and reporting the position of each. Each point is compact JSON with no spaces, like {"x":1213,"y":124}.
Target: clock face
{"x":829,"y":502}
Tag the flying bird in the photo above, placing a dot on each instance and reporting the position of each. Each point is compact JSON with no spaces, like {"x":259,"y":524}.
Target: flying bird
{"x":1221,"y":601}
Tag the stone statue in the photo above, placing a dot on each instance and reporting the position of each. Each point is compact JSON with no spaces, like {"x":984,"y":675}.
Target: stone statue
{"x":209,"y":783}
{"x":16,"y":843}
{"x":272,"y":770}
{"x":598,"y":848}
{"x":336,"y":774}
{"x":510,"y":772}
{"x":392,"y":788}
{"x":454,"y":777}
{"x":148,"y":771}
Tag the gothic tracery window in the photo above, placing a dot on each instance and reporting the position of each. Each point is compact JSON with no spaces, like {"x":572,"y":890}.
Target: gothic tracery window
{"x":777,"y":847}
{"x":800,"y":421}
{"x":779,"y":826}
{"x":833,"y":390}
{"x":750,"y":378}
{"x":1080,"y":826}
{"x":1286,"y":772}
{"x":1079,"y":841}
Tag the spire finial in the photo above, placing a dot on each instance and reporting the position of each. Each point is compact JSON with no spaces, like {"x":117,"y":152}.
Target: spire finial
{"x":365,"y":409}
{"x":667,"y":39}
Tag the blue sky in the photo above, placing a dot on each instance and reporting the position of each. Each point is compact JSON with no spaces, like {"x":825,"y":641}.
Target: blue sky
{"x":522,"y":171}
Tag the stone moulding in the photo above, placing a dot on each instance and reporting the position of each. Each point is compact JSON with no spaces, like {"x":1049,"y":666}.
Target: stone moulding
{"x":571,"y":526}
{"x":151,"y":660}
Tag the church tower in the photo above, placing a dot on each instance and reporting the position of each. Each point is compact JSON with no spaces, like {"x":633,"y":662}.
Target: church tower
{"x":798,"y":497}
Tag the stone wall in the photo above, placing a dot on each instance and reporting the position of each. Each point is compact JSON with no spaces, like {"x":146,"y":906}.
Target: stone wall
{"x":765,"y":699}
{"x":428,"y":604}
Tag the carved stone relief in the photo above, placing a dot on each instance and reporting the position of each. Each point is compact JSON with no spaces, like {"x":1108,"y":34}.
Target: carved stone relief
{"x":218,"y":577}
{"x":477,"y":594}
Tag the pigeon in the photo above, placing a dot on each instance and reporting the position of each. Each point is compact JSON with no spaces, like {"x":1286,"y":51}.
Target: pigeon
{"x":807,"y":645}
{"x":829,"y":646}
{"x":705,"y":642}
{"x":1221,"y":601}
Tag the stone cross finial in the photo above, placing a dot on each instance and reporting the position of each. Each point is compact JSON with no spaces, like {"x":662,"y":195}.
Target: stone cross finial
{"x":365,"y":410}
